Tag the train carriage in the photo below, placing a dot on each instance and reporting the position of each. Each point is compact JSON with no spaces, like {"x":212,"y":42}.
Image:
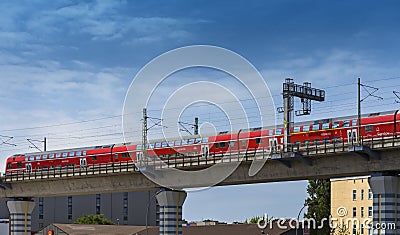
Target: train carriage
{"x":303,"y":135}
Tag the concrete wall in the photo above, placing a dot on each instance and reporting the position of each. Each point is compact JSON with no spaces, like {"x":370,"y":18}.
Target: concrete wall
{"x":55,"y":209}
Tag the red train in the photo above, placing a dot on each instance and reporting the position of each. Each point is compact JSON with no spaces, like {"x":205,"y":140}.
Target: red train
{"x":307,"y":134}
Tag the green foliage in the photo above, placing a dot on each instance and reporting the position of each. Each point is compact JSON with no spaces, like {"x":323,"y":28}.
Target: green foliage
{"x":319,"y":204}
{"x":342,"y":230}
{"x":255,"y":219}
{"x":93,"y":219}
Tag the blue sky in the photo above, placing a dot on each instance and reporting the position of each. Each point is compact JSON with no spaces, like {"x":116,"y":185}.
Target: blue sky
{"x":66,"y":67}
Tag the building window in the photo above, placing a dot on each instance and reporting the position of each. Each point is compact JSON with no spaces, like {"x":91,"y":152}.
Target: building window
{"x":41,"y":208}
{"x":125,"y":207}
{"x":70,"y":208}
{"x":354,"y":229}
{"x":98,"y":204}
{"x":370,"y":195}
{"x":370,"y":211}
{"x":362,"y":194}
{"x":362,"y":229}
{"x":354,"y":211}
{"x":354,"y":194}
{"x":362,"y":212}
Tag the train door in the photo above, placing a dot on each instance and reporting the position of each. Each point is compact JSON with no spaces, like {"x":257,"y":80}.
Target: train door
{"x":273,"y":144}
{"x":83,"y":162}
{"x":205,"y":150}
{"x":352,"y":136}
{"x":139,"y":156}
{"x":28,"y":167}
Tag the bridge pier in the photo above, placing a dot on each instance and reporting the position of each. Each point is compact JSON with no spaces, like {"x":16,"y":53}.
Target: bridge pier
{"x":386,"y":204}
{"x":20,"y":215}
{"x":170,"y":203}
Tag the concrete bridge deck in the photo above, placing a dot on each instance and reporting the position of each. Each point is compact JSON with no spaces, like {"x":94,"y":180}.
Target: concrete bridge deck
{"x":326,"y":161}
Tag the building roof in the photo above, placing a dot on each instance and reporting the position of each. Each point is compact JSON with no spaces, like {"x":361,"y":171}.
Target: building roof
{"x":231,"y":229}
{"x":92,"y":229}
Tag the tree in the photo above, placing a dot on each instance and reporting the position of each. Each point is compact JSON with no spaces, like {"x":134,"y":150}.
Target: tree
{"x":256,"y":219}
{"x":93,"y":219}
{"x":319,"y":205}
{"x":342,"y":230}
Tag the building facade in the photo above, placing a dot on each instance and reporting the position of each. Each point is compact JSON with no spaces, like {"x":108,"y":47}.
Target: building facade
{"x":352,"y":205}
{"x":122,"y":208}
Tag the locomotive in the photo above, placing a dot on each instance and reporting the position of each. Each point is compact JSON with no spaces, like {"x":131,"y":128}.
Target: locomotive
{"x":343,"y":130}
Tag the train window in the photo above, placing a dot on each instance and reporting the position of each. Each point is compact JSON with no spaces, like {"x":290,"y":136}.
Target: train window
{"x":158,"y":145}
{"x":368,"y":128}
{"x":31,"y":158}
{"x":336,"y":140}
{"x":116,"y":156}
{"x":9,"y":165}
{"x":270,"y":132}
{"x":151,"y":146}
{"x":84,"y":153}
{"x":58,"y":155}
{"x":222,"y":145}
{"x":124,"y":155}
{"x":64,"y":154}
{"x":278,"y":132}
{"x":346,"y":123}
{"x":78,"y":153}
{"x":167,"y":155}
{"x":315,"y":127}
{"x":191,"y":141}
{"x":198,"y":140}
{"x":327,"y":141}
{"x":94,"y":158}
{"x":71,"y":154}
{"x":37,"y":157}
{"x":306,"y":143}
{"x":316,"y":142}
{"x":335,"y":124}
{"x":164,"y":144}
{"x":19,"y":164}
{"x":306,"y":128}
{"x":205,"y":140}
{"x":325,"y":126}
{"x":231,"y":143}
{"x":244,"y":143}
{"x":44,"y":157}
{"x":177,"y":143}
{"x":258,"y":140}
{"x":297,"y":144}
{"x":26,"y":159}
{"x":51,"y":156}
{"x":216,"y":145}
{"x":161,"y":156}
{"x":296,"y":129}
{"x":171,"y":143}
{"x":139,"y":146}
{"x":354,"y":122}
{"x":185,"y":142}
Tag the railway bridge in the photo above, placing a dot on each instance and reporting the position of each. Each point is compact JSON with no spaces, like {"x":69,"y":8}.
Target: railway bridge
{"x":379,"y":158}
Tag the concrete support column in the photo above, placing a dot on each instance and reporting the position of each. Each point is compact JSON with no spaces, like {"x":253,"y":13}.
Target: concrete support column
{"x":20,"y":216}
{"x":170,"y":203}
{"x":386,"y":207}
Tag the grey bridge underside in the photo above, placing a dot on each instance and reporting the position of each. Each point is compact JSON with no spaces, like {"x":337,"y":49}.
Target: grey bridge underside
{"x":324,"y":166}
